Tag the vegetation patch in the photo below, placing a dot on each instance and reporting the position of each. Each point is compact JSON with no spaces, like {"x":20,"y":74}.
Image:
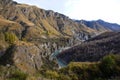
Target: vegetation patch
{"x":107,"y":68}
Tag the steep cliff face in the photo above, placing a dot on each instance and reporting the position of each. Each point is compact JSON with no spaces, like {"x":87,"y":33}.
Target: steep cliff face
{"x":26,"y":56}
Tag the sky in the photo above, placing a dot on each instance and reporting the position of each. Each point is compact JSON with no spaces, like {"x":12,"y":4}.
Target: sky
{"x":108,"y":10}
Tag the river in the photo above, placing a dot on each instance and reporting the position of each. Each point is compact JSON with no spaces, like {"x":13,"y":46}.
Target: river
{"x":59,"y":61}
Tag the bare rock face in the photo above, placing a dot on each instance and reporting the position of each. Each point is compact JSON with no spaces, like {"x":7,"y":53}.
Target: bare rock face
{"x":27,"y":57}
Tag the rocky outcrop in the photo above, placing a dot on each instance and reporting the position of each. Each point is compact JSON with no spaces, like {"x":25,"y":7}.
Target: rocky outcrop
{"x":50,"y":46}
{"x":26,"y":56}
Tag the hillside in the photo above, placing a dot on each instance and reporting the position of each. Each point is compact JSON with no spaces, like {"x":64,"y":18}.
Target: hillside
{"x":94,"y":49}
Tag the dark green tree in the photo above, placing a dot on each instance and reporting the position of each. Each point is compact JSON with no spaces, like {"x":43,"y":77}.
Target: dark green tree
{"x":107,"y":65}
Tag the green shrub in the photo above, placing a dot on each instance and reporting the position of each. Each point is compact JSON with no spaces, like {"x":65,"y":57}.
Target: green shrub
{"x":74,"y":76}
{"x":64,"y":77}
{"x":117,"y":59}
{"x":103,"y":70}
{"x":10,"y":37}
{"x":93,"y":71}
{"x":18,"y":75}
{"x":51,"y":74}
{"x":107,"y":65}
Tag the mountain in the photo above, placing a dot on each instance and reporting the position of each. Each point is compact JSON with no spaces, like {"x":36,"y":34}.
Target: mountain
{"x":100,"y":25}
{"x":29,"y":35}
{"x":93,"y":49}
{"x":40,"y":23}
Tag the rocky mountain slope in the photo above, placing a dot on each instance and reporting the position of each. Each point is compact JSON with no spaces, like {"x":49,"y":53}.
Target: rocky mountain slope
{"x":39,"y":23}
{"x":26,"y":56}
{"x":93,"y":49}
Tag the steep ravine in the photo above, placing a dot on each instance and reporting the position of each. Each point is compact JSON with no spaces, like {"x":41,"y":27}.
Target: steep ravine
{"x":93,"y":49}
